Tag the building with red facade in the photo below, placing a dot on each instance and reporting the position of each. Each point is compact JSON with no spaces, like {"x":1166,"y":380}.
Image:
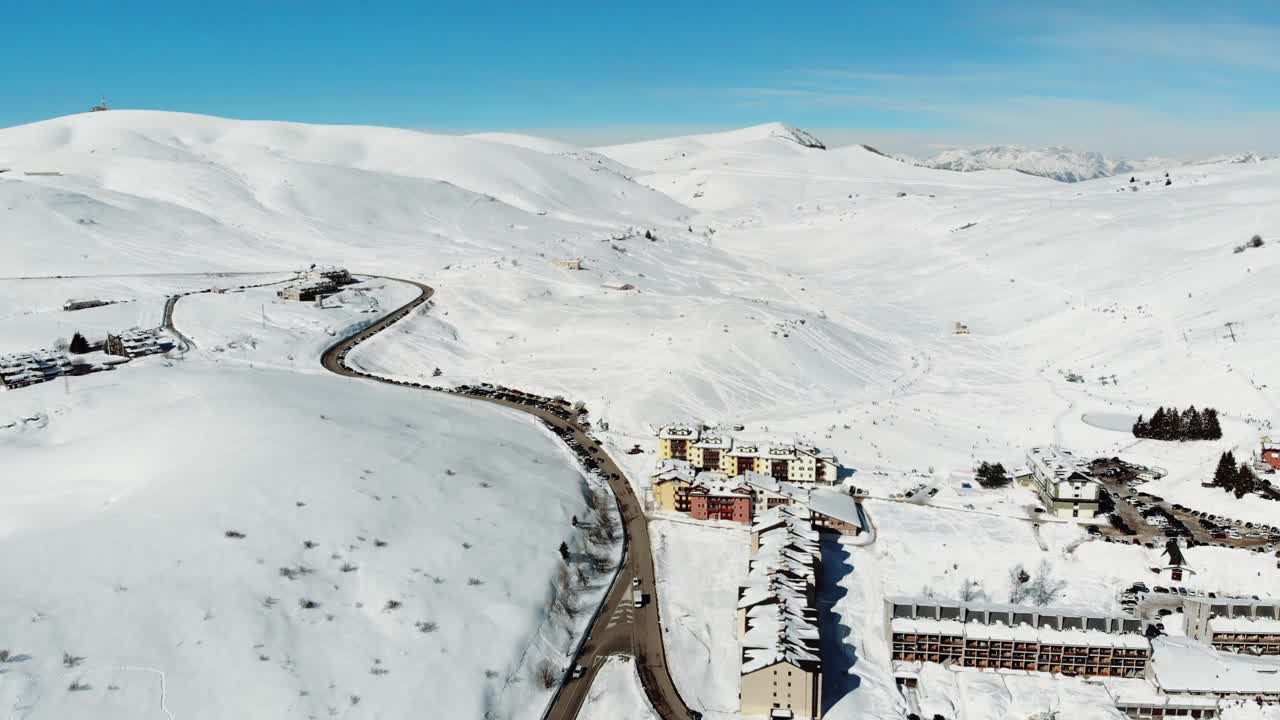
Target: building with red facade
{"x":715,"y":499}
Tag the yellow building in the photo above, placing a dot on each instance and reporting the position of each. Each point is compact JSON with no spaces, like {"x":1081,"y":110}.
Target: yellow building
{"x":674,"y":441}
{"x":669,"y":482}
{"x":707,"y":451}
{"x":789,"y":462}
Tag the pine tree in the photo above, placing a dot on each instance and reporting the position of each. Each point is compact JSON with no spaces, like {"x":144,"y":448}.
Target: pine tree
{"x":564,"y":551}
{"x":1141,"y":429}
{"x":1209,"y":422}
{"x":1158,"y":424}
{"x":1246,"y":481}
{"x":78,"y":344}
{"x":1192,"y":424}
{"x":1224,"y":475}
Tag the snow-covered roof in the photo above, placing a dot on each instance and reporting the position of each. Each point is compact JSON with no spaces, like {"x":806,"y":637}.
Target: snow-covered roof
{"x":1057,"y":464}
{"x":779,"y":633}
{"x":1184,"y":665}
{"x":717,"y":484}
{"x":1138,"y":692}
{"x":672,"y":469}
{"x":770,"y":484}
{"x":1266,"y":626}
{"x":835,"y":504}
{"x":677,"y":432}
{"x":715,"y":442}
{"x":1018,"y":633}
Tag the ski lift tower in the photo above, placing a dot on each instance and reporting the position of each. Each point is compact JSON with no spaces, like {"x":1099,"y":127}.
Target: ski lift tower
{"x":100,"y":107}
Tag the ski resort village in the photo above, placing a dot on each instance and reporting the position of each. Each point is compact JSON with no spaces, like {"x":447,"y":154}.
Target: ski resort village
{"x":311,"y":421}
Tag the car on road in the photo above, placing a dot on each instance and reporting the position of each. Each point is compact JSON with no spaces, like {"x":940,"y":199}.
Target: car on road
{"x":635,"y":582}
{"x":578,"y":672}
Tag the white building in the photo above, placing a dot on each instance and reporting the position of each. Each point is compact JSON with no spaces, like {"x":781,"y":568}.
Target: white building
{"x":1065,"y":486}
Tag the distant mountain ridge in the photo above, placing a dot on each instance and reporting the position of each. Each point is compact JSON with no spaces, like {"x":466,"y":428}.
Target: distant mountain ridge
{"x":1059,"y":163}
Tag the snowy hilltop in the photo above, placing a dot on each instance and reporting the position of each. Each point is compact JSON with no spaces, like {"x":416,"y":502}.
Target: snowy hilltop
{"x":1060,"y":163}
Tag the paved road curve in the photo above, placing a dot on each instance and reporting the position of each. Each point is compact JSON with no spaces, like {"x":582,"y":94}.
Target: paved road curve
{"x":619,"y":628}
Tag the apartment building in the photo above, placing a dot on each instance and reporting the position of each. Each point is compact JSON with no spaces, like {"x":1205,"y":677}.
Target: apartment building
{"x":713,"y":496}
{"x":789,"y":462}
{"x":781,"y":674}
{"x":1015,"y":637}
{"x":1064,"y":483}
{"x":1236,"y":625}
{"x":674,"y":442}
{"x":671,"y":481}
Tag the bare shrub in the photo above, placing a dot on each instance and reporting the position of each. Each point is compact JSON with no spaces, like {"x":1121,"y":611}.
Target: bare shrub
{"x":474,"y":581}
{"x":426,"y":626}
{"x":79,"y":686}
{"x":70,"y":661}
{"x":293,"y":573}
{"x":546,"y":674}
{"x":308,"y":604}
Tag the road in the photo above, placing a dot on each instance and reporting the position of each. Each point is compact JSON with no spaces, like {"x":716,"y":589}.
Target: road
{"x":618,"y":628}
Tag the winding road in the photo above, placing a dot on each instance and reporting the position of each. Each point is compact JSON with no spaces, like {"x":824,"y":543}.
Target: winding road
{"x":617,"y":628}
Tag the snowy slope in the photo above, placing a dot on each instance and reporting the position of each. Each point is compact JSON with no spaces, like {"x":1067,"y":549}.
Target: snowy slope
{"x":803,"y":292}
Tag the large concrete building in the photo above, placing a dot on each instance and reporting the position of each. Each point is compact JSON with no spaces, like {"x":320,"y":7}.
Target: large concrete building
{"x":1235,"y":625}
{"x":1064,"y":484}
{"x":1015,"y":637}
{"x":789,"y":462}
{"x":781,"y":675}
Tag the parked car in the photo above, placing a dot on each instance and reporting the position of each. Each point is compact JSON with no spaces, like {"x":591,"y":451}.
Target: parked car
{"x":578,"y":672}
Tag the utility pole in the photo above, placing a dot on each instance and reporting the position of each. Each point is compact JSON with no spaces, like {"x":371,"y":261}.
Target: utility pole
{"x":1232,"y":330}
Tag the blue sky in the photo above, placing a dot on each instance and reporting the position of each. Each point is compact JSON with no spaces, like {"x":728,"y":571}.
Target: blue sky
{"x":1170,"y":77}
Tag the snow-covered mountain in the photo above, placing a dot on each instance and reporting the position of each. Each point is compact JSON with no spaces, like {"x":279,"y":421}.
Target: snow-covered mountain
{"x":802,"y":292}
{"x":1059,"y":163}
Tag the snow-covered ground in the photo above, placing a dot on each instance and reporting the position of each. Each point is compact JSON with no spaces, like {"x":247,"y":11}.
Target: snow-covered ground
{"x":699,"y":570}
{"x":616,"y":694}
{"x":801,"y":292}
{"x":236,"y":532}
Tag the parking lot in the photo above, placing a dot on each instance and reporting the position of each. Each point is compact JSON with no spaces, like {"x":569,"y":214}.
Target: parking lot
{"x":1140,"y":517}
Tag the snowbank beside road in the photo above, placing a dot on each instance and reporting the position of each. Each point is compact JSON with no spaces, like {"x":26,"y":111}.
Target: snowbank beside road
{"x":616,"y":693}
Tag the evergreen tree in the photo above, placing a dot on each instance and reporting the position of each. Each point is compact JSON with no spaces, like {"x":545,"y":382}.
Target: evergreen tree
{"x":1224,"y":475}
{"x":1192,"y":424}
{"x":78,"y":344}
{"x":1209,"y":422}
{"x":1158,"y":424}
{"x":1140,"y":428}
{"x":564,"y":551}
{"x":1246,"y":481}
